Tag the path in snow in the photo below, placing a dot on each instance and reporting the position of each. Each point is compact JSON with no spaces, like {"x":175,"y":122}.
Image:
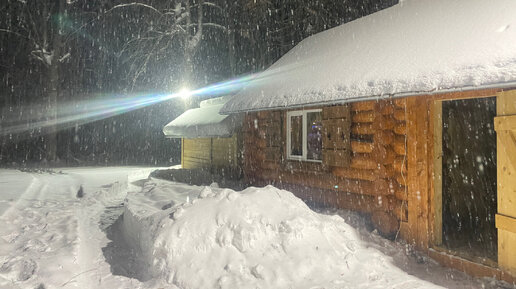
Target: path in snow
{"x":50,"y":238}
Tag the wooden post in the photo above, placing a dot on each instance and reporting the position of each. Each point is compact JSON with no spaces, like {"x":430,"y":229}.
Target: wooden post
{"x":437,"y":210}
{"x":505,"y":126}
{"x":417,"y":176}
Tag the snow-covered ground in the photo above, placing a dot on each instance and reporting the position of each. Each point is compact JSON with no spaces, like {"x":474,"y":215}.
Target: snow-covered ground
{"x":127,"y":231}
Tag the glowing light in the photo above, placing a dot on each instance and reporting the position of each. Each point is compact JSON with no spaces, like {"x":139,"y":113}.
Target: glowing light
{"x":185,"y":93}
{"x":70,"y":114}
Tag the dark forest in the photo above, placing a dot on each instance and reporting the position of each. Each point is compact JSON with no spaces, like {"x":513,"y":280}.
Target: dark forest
{"x":59,"y":54}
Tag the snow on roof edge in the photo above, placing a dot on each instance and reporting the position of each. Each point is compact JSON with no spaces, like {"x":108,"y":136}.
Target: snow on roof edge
{"x":413,"y":48}
{"x":507,"y":85}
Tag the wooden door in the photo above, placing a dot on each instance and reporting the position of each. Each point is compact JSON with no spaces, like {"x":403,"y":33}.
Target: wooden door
{"x":505,"y":126}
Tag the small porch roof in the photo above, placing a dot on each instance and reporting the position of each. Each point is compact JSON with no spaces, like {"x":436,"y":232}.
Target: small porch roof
{"x":204,"y":121}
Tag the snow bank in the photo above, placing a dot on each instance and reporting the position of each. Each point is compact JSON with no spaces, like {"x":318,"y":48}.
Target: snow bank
{"x":207,"y":237}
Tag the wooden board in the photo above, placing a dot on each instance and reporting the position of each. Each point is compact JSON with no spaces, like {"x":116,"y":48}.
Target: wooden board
{"x":272,"y":154}
{"x":336,"y":157}
{"x":196,"y":153}
{"x":363,"y":129}
{"x":505,"y":122}
{"x":338,"y":111}
{"x":365,"y":116}
{"x":417,"y":177}
{"x":273,"y":134}
{"x":437,"y":212}
{"x":363,"y":106}
{"x":505,"y":126}
{"x":506,"y":103}
{"x":225,"y":152}
{"x":361,"y":147}
{"x":336,"y":134}
{"x":368,"y":175}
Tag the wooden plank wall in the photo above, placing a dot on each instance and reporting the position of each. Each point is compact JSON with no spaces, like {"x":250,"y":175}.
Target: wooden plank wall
{"x":372,"y":183}
{"x":505,"y":125}
{"x":196,"y":153}
{"x":210,"y":152}
{"x":224,"y":151}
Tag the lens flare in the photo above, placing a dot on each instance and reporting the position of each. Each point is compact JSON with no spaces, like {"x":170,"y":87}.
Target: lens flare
{"x":41,"y":117}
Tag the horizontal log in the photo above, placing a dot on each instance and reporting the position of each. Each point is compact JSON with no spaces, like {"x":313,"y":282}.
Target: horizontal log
{"x":400,"y":165}
{"x":255,"y":142}
{"x":366,"y":129}
{"x":365,"y":116}
{"x":272,"y":153}
{"x":385,"y":222}
{"x":399,"y":114}
{"x":361,"y":147}
{"x":402,"y":180}
{"x":349,"y":201}
{"x":400,"y":210}
{"x":399,"y":148}
{"x":363,"y":106}
{"x":400,"y":102}
{"x":364,"y":161}
{"x":300,"y":166}
{"x":387,"y":109}
{"x":336,"y":112}
{"x":385,"y":137}
{"x":384,"y":122}
{"x":383,"y":155}
{"x":400,"y":128}
{"x":270,"y":165}
{"x":328,"y":181}
{"x":368,"y":175}
{"x":255,"y":156}
{"x":387,"y":171}
{"x":401,"y":193}
{"x":268,"y":116}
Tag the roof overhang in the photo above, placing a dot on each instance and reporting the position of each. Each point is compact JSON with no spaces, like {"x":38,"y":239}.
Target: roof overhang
{"x":417,"y":47}
{"x":205,"y":121}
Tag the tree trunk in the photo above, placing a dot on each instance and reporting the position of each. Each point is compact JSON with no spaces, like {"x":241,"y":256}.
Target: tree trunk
{"x":53,"y":85}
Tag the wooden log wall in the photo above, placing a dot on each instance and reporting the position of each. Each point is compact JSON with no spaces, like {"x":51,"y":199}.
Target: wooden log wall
{"x":373,"y":182}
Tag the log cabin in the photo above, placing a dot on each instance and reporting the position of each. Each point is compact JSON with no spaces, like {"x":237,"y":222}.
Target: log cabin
{"x":407,"y":115}
{"x":209,"y":141}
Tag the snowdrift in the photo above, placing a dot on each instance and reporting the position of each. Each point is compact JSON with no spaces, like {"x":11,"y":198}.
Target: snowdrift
{"x":207,"y":237}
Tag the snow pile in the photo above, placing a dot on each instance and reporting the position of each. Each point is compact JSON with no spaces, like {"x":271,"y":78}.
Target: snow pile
{"x":207,"y":237}
{"x":416,"y":46}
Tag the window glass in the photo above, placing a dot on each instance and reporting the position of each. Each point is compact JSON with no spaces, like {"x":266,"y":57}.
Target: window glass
{"x":296,"y":135}
{"x":314,"y":138}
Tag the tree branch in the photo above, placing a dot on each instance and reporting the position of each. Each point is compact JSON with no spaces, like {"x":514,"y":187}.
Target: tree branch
{"x":133,"y":4}
{"x":111,"y":9}
{"x":209,"y":24}
{"x":17,"y":34}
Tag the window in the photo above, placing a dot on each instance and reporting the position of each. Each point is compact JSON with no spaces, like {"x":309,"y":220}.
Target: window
{"x":304,"y":137}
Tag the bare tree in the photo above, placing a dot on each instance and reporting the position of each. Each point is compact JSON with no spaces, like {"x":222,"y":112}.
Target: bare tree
{"x":40,"y":24}
{"x":174,"y":31}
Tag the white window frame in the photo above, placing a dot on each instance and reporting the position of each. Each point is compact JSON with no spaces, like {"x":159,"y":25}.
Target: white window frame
{"x":302,"y":113}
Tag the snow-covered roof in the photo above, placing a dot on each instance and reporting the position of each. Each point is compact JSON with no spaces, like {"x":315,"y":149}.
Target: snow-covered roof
{"x":414,"y":47}
{"x":204,"y":121}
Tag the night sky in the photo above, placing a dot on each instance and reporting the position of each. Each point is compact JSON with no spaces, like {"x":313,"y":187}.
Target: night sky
{"x":76,"y":76}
